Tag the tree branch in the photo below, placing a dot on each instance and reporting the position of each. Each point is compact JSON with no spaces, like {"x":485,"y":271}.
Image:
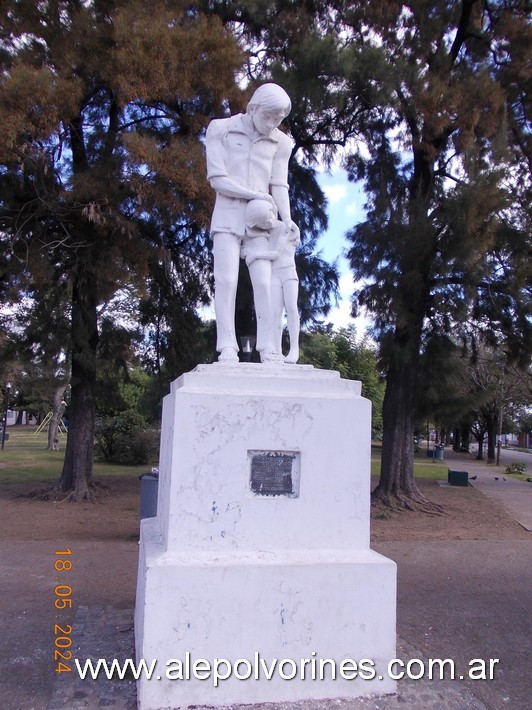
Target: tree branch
{"x":445,"y":174}
{"x":462,"y":33}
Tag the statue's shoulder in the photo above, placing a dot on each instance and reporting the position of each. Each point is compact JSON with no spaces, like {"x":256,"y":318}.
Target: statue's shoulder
{"x":220,"y":126}
{"x":283,"y":138}
{"x":284,"y":143}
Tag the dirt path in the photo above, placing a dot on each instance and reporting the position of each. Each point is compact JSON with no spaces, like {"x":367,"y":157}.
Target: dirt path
{"x":464,"y":582}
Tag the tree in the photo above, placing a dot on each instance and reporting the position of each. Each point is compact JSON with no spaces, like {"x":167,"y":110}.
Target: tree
{"x":37,"y":331}
{"x":445,"y":238}
{"x":498,"y":391}
{"x":175,"y":338}
{"x":355,"y":359}
{"x":103,"y":108}
{"x":470,"y":390}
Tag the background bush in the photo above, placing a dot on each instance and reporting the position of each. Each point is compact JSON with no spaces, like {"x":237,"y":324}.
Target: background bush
{"x":127,"y":439}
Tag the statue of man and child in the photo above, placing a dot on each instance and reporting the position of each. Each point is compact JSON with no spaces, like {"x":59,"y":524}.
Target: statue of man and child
{"x":247,"y":166}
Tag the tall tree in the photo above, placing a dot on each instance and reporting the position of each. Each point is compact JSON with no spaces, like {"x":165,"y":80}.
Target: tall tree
{"x":445,"y":239}
{"x":103,"y":108}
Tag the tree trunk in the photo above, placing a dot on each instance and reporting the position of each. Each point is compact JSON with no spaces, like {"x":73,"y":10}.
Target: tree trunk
{"x":77,"y":468}
{"x":464,"y":436}
{"x":480,"y":442}
{"x":58,"y":408}
{"x":492,"y":436}
{"x":396,"y":484}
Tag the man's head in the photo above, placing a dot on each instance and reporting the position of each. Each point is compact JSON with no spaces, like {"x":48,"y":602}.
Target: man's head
{"x":260,"y":213}
{"x":268,"y":106}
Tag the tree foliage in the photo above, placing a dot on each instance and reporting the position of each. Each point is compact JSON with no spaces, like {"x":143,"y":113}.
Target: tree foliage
{"x":355,"y":359}
{"x":101,"y":161}
{"x":445,"y":239}
{"x":471,"y":391}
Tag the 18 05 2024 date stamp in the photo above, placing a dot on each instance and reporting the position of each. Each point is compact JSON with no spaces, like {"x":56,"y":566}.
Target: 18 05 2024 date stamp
{"x":62,"y":604}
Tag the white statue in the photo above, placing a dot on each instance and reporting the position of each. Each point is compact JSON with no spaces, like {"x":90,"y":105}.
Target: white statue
{"x":269,"y":251}
{"x":247,"y":159}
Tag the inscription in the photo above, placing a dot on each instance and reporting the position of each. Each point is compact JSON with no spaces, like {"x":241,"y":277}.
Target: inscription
{"x":272,"y":473}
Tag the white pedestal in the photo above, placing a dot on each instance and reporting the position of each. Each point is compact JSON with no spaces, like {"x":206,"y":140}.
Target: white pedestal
{"x":260,"y":549}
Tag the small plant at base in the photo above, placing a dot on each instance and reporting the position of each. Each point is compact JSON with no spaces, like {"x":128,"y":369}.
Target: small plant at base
{"x":516,"y":467}
{"x":381,"y":514}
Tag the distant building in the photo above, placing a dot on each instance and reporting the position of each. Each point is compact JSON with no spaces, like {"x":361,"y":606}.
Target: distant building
{"x":525,"y":439}
{"x":14,"y":417}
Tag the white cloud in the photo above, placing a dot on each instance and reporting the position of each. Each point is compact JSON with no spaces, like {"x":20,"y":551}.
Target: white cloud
{"x":335,"y":193}
{"x":355,"y":209}
{"x":346,"y":285}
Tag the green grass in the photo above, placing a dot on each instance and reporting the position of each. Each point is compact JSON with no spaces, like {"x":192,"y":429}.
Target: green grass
{"x":424,"y":467}
{"x":517,"y":476}
{"x":25,"y":459}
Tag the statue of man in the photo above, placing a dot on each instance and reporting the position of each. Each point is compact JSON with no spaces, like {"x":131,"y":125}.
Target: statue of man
{"x":247,"y":159}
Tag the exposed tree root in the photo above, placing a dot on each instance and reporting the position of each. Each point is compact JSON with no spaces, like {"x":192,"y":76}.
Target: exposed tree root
{"x":55,"y":493}
{"x":399,"y":501}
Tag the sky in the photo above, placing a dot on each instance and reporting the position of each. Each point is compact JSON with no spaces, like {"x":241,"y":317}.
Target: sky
{"x":345,"y":209}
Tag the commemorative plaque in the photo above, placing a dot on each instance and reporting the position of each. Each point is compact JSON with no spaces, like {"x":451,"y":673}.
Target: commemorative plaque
{"x":273,"y":473}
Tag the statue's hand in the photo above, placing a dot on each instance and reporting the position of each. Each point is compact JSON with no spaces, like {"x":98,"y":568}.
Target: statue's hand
{"x":295,"y":235}
{"x":266,"y":196}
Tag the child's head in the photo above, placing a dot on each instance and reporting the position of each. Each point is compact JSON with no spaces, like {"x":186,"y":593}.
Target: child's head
{"x":261,"y":214}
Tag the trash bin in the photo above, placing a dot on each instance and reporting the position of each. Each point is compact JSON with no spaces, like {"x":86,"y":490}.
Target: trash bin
{"x":438,"y":453}
{"x":457,"y":478}
{"x":149,"y":487}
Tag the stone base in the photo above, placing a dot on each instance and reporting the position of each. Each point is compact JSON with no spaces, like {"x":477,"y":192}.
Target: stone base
{"x":319,"y":605}
{"x":260,"y":549}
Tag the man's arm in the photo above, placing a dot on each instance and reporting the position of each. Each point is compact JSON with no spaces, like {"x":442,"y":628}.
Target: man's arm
{"x":225,"y":186}
{"x":281,"y":199}
{"x":279,"y":179}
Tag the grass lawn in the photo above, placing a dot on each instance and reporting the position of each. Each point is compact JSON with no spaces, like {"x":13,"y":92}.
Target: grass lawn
{"x":25,"y":459}
{"x":424,"y":467}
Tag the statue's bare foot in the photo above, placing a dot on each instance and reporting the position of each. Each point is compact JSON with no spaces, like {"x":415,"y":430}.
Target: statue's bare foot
{"x":293,"y":356}
{"x":228,"y":355}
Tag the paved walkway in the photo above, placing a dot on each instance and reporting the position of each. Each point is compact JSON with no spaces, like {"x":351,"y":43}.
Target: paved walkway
{"x":105,"y":632}
{"x":514,"y":495}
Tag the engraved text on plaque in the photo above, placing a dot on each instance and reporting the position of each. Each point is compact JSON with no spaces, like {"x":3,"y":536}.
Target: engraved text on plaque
{"x":273,"y":473}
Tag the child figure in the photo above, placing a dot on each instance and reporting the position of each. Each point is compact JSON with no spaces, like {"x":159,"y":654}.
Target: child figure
{"x":269,"y":251}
